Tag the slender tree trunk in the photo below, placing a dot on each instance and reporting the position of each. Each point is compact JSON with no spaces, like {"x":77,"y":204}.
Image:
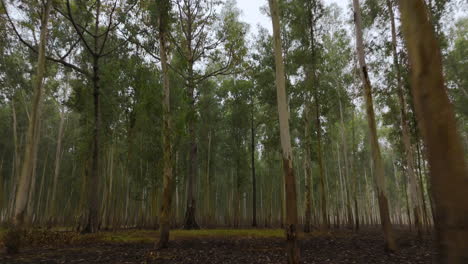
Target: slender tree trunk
{"x":355,"y":178}
{"x":32,"y":188}
{"x":436,"y":120}
{"x":237,"y":193}
{"x":190,"y":221}
{"x":208,"y":183}
{"x":289,"y":181}
{"x":252,"y":160}
{"x":323,"y":194}
{"x":421,"y":185}
{"x":346,"y":165}
{"x":413,"y":185}
{"x":308,"y":173}
{"x":30,"y":150}
{"x":16,"y":164}
{"x":58,"y":157}
{"x":408,"y":210}
{"x":37,"y":208}
{"x":164,"y":220}
{"x":379,"y":173}
{"x":94,"y":179}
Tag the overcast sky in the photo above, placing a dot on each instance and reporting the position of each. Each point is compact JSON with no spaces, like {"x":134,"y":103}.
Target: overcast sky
{"x":251,"y":12}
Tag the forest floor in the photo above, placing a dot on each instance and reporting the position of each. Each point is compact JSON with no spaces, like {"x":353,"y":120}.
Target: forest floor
{"x":217,"y":246}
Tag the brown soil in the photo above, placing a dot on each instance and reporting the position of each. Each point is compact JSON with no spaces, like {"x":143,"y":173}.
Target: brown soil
{"x":336,"y":247}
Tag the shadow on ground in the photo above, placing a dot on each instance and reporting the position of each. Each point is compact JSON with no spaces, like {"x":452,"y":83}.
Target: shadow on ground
{"x":192,"y":247}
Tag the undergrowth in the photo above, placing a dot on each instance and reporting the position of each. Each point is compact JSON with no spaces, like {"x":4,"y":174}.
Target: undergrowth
{"x":52,"y":238}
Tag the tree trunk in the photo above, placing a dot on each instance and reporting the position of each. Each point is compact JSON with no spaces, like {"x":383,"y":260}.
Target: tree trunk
{"x":283,"y":113}
{"x":308,"y":173}
{"x":346,"y":170}
{"x":16,"y":164}
{"x":33,"y":125}
{"x":413,"y":185}
{"x":252,"y":160}
{"x":94,"y":179}
{"x":58,"y":157}
{"x":375,"y":149}
{"x":355,"y":178}
{"x":436,"y":120}
{"x":190,"y":221}
{"x":164,"y":219}
{"x":421,"y":186}
{"x":37,"y":208}
{"x":323,"y":200}
{"x":208,"y":183}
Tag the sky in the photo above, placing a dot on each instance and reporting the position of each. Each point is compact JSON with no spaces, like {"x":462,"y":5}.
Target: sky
{"x":253,"y":16}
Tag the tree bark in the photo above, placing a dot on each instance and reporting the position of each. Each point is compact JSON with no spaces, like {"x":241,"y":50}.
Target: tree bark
{"x":164,"y":219}
{"x":33,"y":125}
{"x":283,"y":113}
{"x":436,"y":120}
{"x":410,"y":169}
{"x":379,"y":173}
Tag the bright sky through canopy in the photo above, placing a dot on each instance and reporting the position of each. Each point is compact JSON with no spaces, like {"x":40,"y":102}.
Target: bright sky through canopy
{"x":253,"y":16}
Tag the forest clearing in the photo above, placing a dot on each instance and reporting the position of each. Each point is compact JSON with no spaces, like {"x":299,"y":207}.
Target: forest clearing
{"x":224,"y":131}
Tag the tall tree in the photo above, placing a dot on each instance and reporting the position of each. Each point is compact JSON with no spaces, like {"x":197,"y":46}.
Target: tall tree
{"x":198,"y":41}
{"x":283,"y":113}
{"x":95,"y":40}
{"x":378,"y":169}
{"x":252,"y":159}
{"x":32,"y":137}
{"x":308,"y":171}
{"x":448,"y":170}
{"x":163,"y":9}
{"x":410,"y":168}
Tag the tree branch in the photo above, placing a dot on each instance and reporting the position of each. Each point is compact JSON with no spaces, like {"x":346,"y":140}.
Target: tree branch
{"x":80,"y":34}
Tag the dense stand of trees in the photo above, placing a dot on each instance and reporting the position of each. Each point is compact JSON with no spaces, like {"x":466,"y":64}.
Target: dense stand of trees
{"x":163,"y":114}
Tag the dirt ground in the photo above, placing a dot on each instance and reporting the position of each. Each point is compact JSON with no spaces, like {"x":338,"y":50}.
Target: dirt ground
{"x":334,"y":247}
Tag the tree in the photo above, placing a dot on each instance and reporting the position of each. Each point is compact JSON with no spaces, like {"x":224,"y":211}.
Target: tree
{"x":197,"y":41}
{"x":32,"y":137}
{"x":308,"y":172}
{"x":13,"y":241}
{"x":410,"y":168}
{"x":379,"y":173}
{"x":252,"y":159}
{"x":283,"y":113}
{"x":164,"y":8}
{"x":436,"y":120}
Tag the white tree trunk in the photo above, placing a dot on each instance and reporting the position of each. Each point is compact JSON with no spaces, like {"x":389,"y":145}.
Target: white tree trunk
{"x":33,"y":126}
{"x":283,"y":113}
